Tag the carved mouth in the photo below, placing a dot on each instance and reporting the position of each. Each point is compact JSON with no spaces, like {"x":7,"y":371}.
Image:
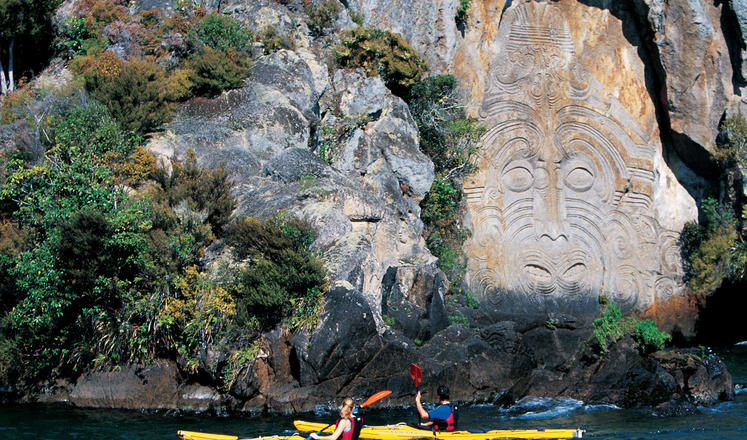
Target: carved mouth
{"x":540,"y":278}
{"x":544,"y":274}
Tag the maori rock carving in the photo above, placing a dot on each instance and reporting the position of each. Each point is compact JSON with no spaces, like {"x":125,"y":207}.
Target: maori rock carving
{"x":560,"y":204}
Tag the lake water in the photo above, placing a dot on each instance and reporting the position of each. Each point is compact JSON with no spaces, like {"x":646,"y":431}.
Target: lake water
{"x":727,"y":421}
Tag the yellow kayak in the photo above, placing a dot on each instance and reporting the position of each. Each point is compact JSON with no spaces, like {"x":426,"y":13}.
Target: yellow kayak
{"x":403,"y":431}
{"x":193,"y":435}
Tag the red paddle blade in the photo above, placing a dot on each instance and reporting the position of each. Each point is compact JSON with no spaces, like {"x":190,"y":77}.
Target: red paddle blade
{"x":416,"y":374}
{"x":375,"y":398}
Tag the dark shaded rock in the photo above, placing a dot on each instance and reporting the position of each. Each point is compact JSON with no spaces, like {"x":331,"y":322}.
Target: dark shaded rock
{"x":706,"y":380}
{"x":671,"y":382}
{"x":413,"y":296}
{"x":329,"y":353}
{"x":155,"y":386}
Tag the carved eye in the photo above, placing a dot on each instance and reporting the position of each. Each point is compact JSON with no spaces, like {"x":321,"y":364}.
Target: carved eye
{"x":579,"y":179}
{"x":518,"y":179}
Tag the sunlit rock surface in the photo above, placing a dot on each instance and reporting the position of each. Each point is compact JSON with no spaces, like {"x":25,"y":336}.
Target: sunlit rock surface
{"x":561,"y":206}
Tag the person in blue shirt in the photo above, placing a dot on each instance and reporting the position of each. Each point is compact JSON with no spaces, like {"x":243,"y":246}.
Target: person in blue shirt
{"x":442,"y":417}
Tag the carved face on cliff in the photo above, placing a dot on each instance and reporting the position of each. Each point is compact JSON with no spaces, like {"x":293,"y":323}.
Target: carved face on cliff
{"x":560,"y":205}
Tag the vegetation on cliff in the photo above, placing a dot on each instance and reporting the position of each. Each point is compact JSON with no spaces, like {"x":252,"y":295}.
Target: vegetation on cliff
{"x":715,"y":249}
{"x":382,"y":53}
{"x":611,"y":326}
{"x":450,"y":139}
{"x":101,"y":247}
{"x":141,"y":65}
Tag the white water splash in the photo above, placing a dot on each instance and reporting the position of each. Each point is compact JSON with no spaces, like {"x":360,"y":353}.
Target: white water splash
{"x":545,"y":407}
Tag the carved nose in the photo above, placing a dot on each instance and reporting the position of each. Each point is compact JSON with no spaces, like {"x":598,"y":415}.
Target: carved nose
{"x":549,"y":214}
{"x":549,"y":201}
{"x":553,"y":230}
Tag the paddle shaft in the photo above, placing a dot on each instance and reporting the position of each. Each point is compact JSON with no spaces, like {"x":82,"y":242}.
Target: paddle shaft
{"x":319,"y":432}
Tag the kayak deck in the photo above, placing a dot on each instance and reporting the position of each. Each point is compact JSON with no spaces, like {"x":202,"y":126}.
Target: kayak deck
{"x":403,"y":431}
{"x":194,"y":435}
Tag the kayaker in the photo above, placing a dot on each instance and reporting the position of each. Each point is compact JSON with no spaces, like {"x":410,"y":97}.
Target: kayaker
{"x":444,"y":416}
{"x":345,"y":424}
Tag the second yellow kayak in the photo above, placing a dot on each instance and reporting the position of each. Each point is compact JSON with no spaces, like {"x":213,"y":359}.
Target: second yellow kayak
{"x":403,"y":431}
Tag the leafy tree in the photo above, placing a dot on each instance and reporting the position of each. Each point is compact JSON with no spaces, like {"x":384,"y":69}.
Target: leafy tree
{"x":708,"y":247}
{"x":450,"y":140}
{"x":25,"y":28}
{"x":79,"y":259}
{"x":281,"y":270}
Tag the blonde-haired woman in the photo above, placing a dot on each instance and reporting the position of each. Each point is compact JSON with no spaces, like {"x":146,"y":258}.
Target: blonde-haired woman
{"x":345,"y":424}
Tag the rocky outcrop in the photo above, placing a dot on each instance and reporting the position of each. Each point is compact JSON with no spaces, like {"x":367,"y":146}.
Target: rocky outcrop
{"x":501,"y":363}
{"x":668,"y":382}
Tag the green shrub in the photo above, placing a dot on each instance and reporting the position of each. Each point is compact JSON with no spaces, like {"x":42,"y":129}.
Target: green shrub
{"x":459,"y":319}
{"x":382,"y":53}
{"x":89,"y":129}
{"x":710,"y":264}
{"x":447,"y":136}
{"x":711,"y":248}
{"x":282,"y":271}
{"x":356,"y":17}
{"x":733,"y":152}
{"x":440,"y":203}
{"x":649,"y":337}
{"x":206,"y":191}
{"x":133,"y":91}
{"x":611,"y":326}
{"x":223,"y":33}
{"x":462,"y":13}
{"x":73,"y":35}
{"x":322,"y":16}
{"x":213,"y":71}
{"x":272,"y":41}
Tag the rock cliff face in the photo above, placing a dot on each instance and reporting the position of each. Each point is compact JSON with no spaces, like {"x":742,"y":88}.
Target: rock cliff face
{"x":600,"y":116}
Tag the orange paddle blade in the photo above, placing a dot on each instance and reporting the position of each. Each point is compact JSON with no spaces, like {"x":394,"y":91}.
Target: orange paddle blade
{"x":375,"y":398}
{"x":416,"y":374}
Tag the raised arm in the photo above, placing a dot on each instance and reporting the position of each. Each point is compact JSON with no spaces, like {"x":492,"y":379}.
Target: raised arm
{"x":423,"y":413}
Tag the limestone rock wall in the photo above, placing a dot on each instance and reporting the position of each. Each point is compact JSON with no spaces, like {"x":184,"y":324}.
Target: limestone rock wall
{"x":601,"y":116}
{"x":561,"y":206}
